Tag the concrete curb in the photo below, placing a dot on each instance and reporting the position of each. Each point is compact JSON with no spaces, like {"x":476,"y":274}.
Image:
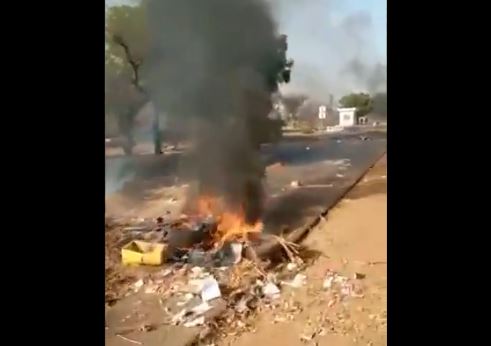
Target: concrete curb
{"x":299,"y":234}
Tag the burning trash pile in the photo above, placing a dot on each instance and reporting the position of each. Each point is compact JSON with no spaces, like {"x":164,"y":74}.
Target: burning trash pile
{"x":208,"y":270}
{"x":206,"y":238}
{"x":217,"y":283}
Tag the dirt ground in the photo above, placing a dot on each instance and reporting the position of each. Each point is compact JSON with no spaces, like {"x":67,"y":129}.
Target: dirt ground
{"x":352,"y":240}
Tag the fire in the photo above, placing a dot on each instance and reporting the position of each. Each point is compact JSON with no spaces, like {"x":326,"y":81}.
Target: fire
{"x":230,"y":225}
{"x":208,"y":205}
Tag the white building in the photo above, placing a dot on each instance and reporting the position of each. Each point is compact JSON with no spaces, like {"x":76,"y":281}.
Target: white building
{"x":347,"y":116}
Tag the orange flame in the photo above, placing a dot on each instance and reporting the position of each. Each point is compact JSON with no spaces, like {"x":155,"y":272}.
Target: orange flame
{"x":231,"y":225}
{"x":208,"y":205}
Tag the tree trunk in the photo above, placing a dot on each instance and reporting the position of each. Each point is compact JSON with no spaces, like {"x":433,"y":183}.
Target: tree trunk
{"x":157,"y":141}
{"x":129,"y":143}
{"x":126,"y":129}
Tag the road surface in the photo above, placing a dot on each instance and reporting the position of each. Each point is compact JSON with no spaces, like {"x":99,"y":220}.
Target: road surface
{"x":324,"y":166}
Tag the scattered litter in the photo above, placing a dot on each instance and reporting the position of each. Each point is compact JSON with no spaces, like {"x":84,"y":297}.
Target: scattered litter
{"x":199,"y":257}
{"x":129,"y":340}
{"x":338,"y":141}
{"x":236,"y":251}
{"x":135,"y":228}
{"x":178,"y":317}
{"x":186,"y":298}
{"x":137,"y":285}
{"x":271,"y":291}
{"x":197,"y":272}
{"x":198,"y":321}
{"x":239,"y":324}
{"x":229,"y":254}
{"x":279,"y":319}
{"x":195,"y":285}
{"x":295,"y":184}
{"x":291,"y":266}
{"x":359,"y":276}
{"x":339,"y":175}
{"x":201,"y":308}
{"x":304,"y":337}
{"x":166,"y":272}
{"x":346,"y":290}
{"x":140,"y":252}
{"x":328,"y":282}
{"x":196,"y":256}
{"x":196,"y":288}
{"x":151,"y":289}
{"x":146,"y":328}
{"x":310,"y":333}
{"x":298,"y":281}
{"x":210,"y":289}
{"x":241,"y":305}
{"x":307,"y":148}
{"x":340,"y":279}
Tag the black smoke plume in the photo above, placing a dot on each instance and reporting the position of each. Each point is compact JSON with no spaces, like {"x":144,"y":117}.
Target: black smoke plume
{"x":213,"y":66}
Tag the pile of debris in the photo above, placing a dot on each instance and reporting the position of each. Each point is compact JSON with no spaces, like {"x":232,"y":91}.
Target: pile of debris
{"x":219,"y":289}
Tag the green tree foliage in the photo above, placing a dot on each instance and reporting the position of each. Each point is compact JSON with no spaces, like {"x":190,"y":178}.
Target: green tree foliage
{"x":127,"y":39}
{"x":127,"y":44}
{"x":363,"y":103}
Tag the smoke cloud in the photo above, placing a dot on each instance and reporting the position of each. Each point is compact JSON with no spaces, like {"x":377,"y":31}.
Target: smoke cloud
{"x":119,"y":170}
{"x":213,"y":66}
{"x":334,"y":53}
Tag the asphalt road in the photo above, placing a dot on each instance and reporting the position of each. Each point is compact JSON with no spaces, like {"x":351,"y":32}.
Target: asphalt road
{"x":325,"y":167}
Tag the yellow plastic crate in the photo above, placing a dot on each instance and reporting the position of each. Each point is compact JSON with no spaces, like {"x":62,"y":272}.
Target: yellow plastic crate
{"x":140,"y":252}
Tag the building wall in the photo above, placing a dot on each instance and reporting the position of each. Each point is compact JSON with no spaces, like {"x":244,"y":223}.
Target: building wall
{"x":347,"y":116}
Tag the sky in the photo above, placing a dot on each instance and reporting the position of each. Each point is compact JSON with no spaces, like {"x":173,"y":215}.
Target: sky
{"x":325,"y":37}
{"x":376,"y":8}
{"x":338,"y":46}
{"x":378,"y":13}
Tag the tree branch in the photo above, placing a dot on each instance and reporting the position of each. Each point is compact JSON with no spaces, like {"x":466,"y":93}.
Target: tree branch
{"x":135,"y":64}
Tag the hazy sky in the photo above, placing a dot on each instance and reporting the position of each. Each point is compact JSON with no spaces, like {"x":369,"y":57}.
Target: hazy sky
{"x":376,"y":8}
{"x":378,"y":12}
{"x":337,"y":45}
{"x":326,"y":36}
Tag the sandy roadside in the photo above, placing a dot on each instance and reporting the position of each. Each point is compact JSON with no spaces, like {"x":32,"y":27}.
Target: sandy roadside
{"x":352,"y":240}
